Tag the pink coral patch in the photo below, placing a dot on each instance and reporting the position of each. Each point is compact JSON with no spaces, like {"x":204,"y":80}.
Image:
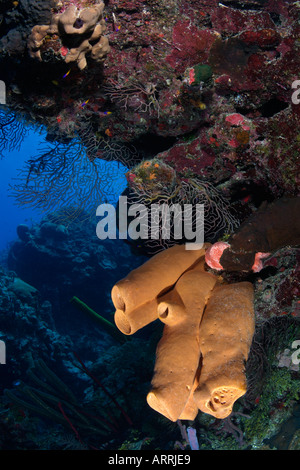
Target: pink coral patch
{"x":214,"y":253}
{"x":64,"y":51}
{"x":258,"y":264}
{"x":235,"y":119}
{"x":234,"y":143}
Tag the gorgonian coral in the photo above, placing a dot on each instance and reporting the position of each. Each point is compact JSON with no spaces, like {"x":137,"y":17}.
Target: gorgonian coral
{"x":154,"y":182}
{"x":68,"y":174}
{"x":134,"y":95}
{"x":75,"y":31}
{"x":62,"y":177}
{"x":12,"y":131}
{"x":101,"y":146}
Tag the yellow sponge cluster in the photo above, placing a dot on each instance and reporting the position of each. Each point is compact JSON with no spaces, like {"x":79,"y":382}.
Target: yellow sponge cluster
{"x":208,"y":330}
{"x":79,"y":30}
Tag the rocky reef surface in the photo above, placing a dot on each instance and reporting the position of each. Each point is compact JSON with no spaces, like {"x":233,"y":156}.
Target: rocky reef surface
{"x":196,"y":100}
{"x":204,"y":86}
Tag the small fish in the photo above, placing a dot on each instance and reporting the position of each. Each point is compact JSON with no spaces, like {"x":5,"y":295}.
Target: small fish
{"x":108,"y":132}
{"x":115,"y":26}
{"x":66,"y":74}
{"x":106,"y":113}
{"x":84,"y":103}
{"x":198,"y":104}
{"x":201,"y":106}
{"x":16,"y":383}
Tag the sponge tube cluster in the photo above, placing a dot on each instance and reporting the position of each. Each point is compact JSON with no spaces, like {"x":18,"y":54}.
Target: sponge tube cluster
{"x":207,"y":335}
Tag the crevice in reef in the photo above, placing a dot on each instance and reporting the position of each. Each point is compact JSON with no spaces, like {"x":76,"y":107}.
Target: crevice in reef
{"x":272,"y":107}
{"x":150,"y":145}
{"x":245,"y":5}
{"x":275,"y":18}
{"x":267,"y":110}
{"x":258,"y":194}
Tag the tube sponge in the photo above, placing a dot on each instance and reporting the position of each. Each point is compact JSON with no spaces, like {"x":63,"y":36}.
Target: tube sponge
{"x":136,"y":296}
{"x":208,"y":330}
{"x":178,"y":352}
{"x":226,"y":333}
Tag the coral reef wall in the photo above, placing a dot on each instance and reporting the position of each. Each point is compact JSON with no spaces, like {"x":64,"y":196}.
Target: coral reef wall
{"x":199,"y":100}
{"x":221,"y":73}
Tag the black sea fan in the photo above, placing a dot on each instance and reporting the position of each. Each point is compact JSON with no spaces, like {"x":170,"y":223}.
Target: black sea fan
{"x":61,"y":175}
{"x":12,"y":131}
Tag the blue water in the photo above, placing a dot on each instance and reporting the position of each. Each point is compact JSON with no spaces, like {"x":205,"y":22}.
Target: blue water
{"x":11,"y":215}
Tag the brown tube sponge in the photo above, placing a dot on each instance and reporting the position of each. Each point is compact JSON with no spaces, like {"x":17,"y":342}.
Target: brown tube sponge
{"x":178,"y":352}
{"x":191,"y":410}
{"x":135,"y":296}
{"x":226,"y":333}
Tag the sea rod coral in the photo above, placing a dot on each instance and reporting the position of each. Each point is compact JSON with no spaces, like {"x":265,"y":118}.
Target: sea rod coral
{"x":208,"y":331}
